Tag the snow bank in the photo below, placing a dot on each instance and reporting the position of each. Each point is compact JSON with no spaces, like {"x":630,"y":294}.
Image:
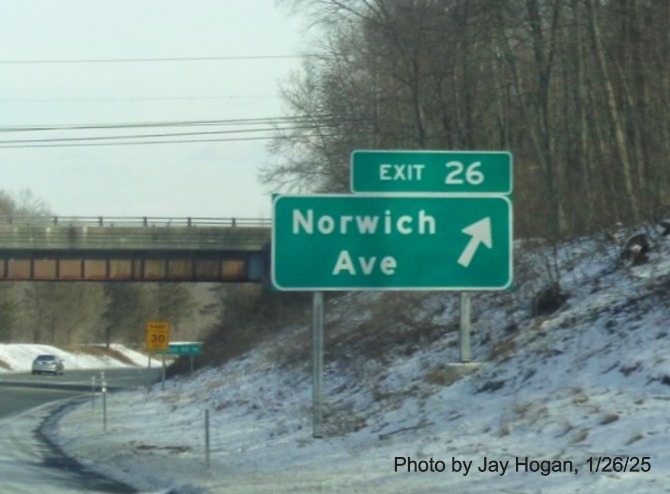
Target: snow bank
{"x":18,"y":357}
{"x":571,"y":402}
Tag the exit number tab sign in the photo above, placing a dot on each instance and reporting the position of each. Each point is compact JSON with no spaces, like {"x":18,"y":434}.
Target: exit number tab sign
{"x":445,"y":172}
{"x":373,"y":242}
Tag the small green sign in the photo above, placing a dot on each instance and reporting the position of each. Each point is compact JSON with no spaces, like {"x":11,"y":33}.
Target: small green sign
{"x":373,"y":242}
{"x":182,"y":349}
{"x":446,"y":172}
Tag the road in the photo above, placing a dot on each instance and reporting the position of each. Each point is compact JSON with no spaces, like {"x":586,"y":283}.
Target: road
{"x":29,"y":463}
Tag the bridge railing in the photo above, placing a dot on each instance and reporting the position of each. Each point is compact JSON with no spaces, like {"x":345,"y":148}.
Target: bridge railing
{"x":142,"y":221}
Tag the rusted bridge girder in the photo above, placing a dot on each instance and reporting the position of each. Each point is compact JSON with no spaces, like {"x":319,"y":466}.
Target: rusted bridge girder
{"x":133,"y":249}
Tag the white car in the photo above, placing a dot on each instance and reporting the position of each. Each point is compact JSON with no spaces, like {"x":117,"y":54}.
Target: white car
{"x":48,"y":364}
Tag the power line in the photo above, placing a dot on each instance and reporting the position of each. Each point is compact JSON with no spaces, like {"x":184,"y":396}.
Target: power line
{"x":246,"y":126}
{"x":175,"y":123}
{"x":183,"y":141}
{"x":151,"y":136}
{"x":151,"y":60}
{"x":158,"y":98}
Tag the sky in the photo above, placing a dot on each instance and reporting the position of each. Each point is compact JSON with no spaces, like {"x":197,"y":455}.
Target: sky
{"x":207,"y":179}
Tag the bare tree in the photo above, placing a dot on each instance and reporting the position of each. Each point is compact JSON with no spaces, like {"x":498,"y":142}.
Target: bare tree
{"x":577,"y":90}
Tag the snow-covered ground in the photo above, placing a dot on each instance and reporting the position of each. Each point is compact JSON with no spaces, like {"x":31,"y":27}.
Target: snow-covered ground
{"x":575,"y":401}
{"x":18,"y":357}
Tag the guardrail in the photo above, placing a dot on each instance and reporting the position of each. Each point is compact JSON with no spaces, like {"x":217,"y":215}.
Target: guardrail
{"x":142,"y":221}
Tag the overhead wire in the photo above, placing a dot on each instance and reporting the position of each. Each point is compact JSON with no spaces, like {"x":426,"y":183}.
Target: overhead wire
{"x":153,"y":59}
{"x":99,"y":144}
{"x":153,"y":98}
{"x":292,"y":123}
{"x":151,"y":136}
{"x":241,"y":126}
{"x":250,"y":127}
{"x":248,"y":130}
{"x":172,"y":123}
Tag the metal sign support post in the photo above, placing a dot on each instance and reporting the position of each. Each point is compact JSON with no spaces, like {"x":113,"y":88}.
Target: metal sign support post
{"x":464,"y":336}
{"x":92,"y":391}
{"x":207,"y":437}
{"x":317,"y":363}
{"x":163,"y":374}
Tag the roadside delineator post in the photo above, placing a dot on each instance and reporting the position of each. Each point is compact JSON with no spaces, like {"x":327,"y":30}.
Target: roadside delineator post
{"x":103,"y":389}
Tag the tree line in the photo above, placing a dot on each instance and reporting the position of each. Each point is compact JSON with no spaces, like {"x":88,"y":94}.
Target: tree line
{"x":577,"y":90}
{"x":60,"y":313}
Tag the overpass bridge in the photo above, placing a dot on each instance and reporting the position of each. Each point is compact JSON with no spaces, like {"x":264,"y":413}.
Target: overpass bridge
{"x":143,"y":249}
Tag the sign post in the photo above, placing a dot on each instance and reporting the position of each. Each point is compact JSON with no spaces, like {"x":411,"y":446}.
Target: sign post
{"x":464,"y":336}
{"x":158,"y":338}
{"x":317,"y":363}
{"x":431,"y":220}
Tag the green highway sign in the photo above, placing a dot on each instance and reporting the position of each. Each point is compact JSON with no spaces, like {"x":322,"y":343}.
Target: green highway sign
{"x":190,"y":348}
{"x":445,"y":172}
{"x":385,"y":242}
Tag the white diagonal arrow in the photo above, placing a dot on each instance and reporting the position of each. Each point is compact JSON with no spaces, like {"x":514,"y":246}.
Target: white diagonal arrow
{"x":481,"y":234}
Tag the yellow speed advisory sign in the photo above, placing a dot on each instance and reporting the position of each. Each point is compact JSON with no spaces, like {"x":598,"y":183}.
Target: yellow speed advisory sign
{"x":158,"y":335}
